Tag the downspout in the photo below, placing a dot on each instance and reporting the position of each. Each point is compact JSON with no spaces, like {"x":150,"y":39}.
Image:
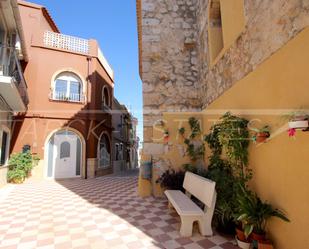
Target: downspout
{"x":87,"y":98}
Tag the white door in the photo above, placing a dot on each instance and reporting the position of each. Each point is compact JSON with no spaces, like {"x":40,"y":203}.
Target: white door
{"x":65,"y":163}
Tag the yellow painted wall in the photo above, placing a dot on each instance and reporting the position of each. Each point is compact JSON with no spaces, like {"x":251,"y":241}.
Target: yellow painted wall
{"x":281,"y":166}
{"x":233,"y":20}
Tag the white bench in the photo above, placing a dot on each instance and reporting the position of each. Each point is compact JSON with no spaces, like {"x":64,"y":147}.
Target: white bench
{"x":204,"y":190}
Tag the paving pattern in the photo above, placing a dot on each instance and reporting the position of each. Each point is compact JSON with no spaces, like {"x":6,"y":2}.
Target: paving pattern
{"x":99,"y":213}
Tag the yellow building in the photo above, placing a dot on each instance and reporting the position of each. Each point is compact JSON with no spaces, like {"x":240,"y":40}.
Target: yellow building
{"x":248,"y":57}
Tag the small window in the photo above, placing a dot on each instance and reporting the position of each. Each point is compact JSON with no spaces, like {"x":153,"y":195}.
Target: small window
{"x":4,"y":148}
{"x":65,"y":150}
{"x":68,"y":87}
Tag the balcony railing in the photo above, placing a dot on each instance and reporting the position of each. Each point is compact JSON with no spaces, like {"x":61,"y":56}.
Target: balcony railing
{"x":72,"y":97}
{"x":10,"y":67}
{"x":66,"y":42}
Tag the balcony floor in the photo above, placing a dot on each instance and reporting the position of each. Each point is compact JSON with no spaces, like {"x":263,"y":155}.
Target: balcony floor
{"x":98,"y":213}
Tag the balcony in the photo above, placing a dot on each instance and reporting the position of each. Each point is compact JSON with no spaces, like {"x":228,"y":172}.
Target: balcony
{"x":67,"y":97}
{"x":13,"y":87}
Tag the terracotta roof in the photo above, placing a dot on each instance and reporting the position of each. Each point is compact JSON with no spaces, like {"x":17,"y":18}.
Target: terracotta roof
{"x":139,"y":31}
{"x":44,"y":11}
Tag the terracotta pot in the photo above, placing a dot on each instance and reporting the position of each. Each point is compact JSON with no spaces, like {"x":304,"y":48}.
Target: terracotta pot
{"x":240,"y":234}
{"x":265,"y":245}
{"x":258,"y":237}
{"x":262,"y":137}
{"x":243,"y":244}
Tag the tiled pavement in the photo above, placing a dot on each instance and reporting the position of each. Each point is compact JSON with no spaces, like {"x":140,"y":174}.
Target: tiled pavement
{"x":98,"y":213}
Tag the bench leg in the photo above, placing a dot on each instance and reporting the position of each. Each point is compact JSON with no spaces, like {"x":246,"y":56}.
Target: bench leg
{"x":186,"y":226}
{"x":205,"y":227}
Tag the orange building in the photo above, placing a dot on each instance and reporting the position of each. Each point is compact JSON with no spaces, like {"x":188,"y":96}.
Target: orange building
{"x":70,"y":85}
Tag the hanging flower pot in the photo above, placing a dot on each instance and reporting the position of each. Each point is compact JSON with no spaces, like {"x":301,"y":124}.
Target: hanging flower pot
{"x":261,"y":135}
{"x":166,"y":136}
{"x":299,"y":124}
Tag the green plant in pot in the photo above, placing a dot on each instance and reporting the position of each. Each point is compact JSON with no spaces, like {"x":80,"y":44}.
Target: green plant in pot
{"x":261,"y":135}
{"x":20,"y":166}
{"x":298,"y":120}
{"x":253,"y":213}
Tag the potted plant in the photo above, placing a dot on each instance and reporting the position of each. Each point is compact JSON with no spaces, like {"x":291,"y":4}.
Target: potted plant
{"x":298,"y":120}
{"x":261,"y":135}
{"x":166,"y":136}
{"x":243,"y":231}
{"x":267,"y":244}
{"x":255,"y":213}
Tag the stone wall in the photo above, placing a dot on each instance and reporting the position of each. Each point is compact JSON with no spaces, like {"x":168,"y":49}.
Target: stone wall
{"x":270,"y":24}
{"x":174,"y":53}
{"x":169,"y":59}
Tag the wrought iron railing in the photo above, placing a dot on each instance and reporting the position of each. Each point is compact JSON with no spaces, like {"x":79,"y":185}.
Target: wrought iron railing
{"x":63,"y":96}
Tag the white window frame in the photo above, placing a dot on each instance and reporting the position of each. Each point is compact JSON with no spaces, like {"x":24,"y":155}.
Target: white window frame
{"x":69,"y":78}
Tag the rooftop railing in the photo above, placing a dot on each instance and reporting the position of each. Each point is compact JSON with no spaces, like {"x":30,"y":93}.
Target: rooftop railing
{"x":66,"y":42}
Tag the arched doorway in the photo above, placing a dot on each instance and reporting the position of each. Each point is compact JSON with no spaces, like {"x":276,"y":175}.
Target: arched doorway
{"x":104,"y":152}
{"x":64,"y":150}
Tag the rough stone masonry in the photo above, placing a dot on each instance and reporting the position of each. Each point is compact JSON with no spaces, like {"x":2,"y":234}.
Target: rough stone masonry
{"x":174,"y":58}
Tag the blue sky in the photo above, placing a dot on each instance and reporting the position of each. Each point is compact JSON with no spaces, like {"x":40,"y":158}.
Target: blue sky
{"x":113,"y":24}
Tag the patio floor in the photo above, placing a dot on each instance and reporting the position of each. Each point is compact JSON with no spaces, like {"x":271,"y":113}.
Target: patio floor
{"x":98,"y":213}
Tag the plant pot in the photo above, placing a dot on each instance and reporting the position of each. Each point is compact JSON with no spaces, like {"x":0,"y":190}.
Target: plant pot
{"x":258,"y":237}
{"x":240,"y":234}
{"x":243,"y":244}
{"x":261,"y":137}
{"x":299,"y":124}
{"x":265,"y":245}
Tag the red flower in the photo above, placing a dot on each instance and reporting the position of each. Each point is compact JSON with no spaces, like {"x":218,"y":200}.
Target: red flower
{"x":292,"y":132}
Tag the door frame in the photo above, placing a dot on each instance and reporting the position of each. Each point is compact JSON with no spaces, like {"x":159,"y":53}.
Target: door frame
{"x":110,"y":147}
{"x":83,"y":149}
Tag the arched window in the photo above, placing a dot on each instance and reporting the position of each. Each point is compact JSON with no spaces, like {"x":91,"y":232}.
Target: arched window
{"x":105,"y":97}
{"x":104,"y":152}
{"x":68,"y":87}
{"x":65,"y":150}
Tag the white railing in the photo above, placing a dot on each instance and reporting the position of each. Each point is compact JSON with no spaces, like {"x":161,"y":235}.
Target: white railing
{"x":66,"y":42}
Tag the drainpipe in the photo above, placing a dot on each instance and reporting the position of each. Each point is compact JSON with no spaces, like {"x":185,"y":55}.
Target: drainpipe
{"x":87,"y":97}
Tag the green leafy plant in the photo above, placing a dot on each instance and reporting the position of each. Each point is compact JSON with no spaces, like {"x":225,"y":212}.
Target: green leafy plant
{"x":253,"y":213}
{"x":228,"y":165}
{"x":16,"y":175}
{"x":20,"y":166}
{"x":195,"y":148}
{"x":172,"y":179}
{"x":182,"y":131}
